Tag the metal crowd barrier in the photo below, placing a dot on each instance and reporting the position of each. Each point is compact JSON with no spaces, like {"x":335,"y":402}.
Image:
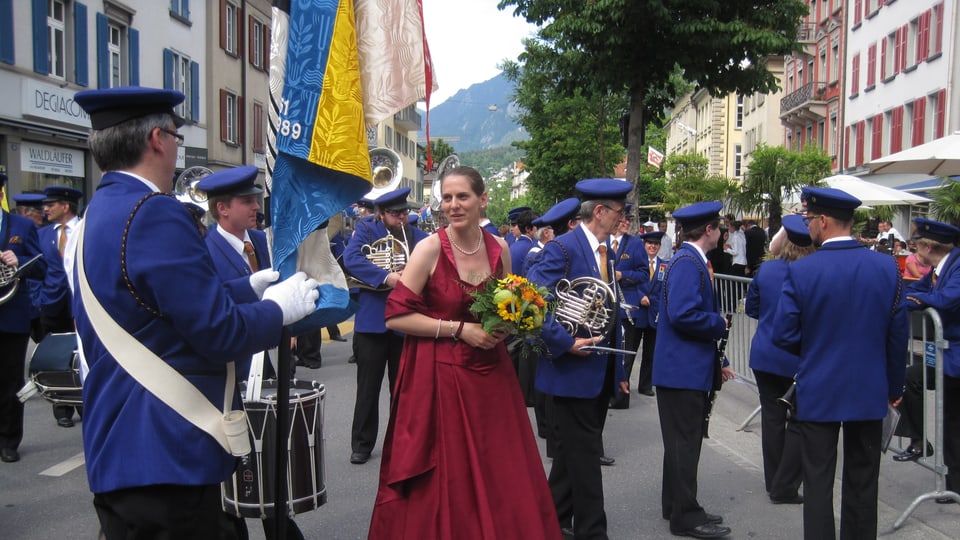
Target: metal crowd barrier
{"x":731,"y":293}
{"x":927,"y":345}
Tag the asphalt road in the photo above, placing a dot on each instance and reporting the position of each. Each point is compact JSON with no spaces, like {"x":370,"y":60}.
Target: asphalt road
{"x":45,"y":495}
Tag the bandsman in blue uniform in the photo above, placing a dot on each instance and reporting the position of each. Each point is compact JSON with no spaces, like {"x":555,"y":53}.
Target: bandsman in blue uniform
{"x":580,"y":383}
{"x":631,"y":274}
{"x":512,"y":215}
{"x":378,"y":349}
{"x":646,"y":315}
{"x":60,"y":209}
{"x":524,"y":243}
{"x":940,"y":289}
{"x":841,"y":313}
{"x":30,"y":205}
{"x":18,"y":244}
{"x":685,"y":368}
{"x":153,"y":472}
{"x":774,"y":368}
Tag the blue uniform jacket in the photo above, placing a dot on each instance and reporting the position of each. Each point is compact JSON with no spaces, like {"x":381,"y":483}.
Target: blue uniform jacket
{"x":369,"y":317}
{"x":689,"y":325}
{"x":53,"y":293}
{"x":518,"y":255}
{"x":646,"y":317}
{"x":130,"y":438}
{"x":852,"y":361}
{"x":492,"y":229}
{"x":763,"y":295}
{"x":631,"y":262}
{"x":559,"y":373}
{"x":19,"y":234}
{"x":945,"y":298}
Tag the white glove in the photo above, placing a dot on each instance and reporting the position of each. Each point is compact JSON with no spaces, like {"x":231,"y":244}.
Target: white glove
{"x":259,"y":281}
{"x":297,"y":295}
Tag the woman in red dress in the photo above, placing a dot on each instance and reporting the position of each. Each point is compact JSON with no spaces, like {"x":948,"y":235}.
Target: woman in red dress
{"x":459,"y":459}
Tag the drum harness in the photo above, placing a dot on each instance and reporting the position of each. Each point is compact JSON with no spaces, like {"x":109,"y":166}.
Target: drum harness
{"x":228,"y":427}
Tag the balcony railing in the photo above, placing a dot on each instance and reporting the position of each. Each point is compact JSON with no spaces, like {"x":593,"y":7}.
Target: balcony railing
{"x":801,"y":96}
{"x":806,"y":32}
{"x":408,"y":118}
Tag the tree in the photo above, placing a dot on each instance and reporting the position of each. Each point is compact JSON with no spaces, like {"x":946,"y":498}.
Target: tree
{"x":775,"y":173}
{"x":572,"y":136}
{"x":946,"y":201}
{"x":647,"y":46}
{"x":439,"y":149}
{"x":689,"y":181}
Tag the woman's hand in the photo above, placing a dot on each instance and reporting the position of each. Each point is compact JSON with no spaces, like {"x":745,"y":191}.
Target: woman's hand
{"x":475,"y":336}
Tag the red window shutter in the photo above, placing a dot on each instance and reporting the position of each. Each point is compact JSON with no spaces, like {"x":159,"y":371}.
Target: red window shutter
{"x":250,"y":44}
{"x":938,"y":40}
{"x":266,"y":47}
{"x":940,"y":114}
{"x":872,"y":66}
{"x":223,"y":115}
{"x":896,"y":130}
{"x":883,"y":60}
{"x":876,"y":142}
{"x":924,"y":45}
{"x":223,"y":24}
{"x":241,"y":120}
{"x":904,"y":32}
{"x":258,"y":135}
{"x":919,"y":110}
{"x":857,"y":7}
{"x":855,"y":75}
{"x":861,"y":135}
{"x":846,"y":146}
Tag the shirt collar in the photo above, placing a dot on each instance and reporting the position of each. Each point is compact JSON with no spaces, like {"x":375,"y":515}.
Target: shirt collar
{"x":235,"y":242}
{"x":941,"y":265}
{"x":703,"y":256}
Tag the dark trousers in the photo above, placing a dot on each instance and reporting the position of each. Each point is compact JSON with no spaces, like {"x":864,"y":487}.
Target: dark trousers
{"x":269,"y":526}
{"x":163,"y":512}
{"x":526,"y":372}
{"x":376,"y":353}
{"x":861,"y":471}
{"x":576,"y":481}
{"x":308,"y":349}
{"x":57,"y":325}
{"x":779,"y":437}
{"x":631,"y":340}
{"x":911,"y":419}
{"x":681,"y":426}
{"x":648,"y":340}
{"x":13,"y":354}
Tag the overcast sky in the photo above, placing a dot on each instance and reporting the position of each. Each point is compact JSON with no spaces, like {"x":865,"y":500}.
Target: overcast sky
{"x":467,"y":39}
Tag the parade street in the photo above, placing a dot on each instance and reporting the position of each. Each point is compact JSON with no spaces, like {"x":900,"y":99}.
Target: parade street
{"x":45,"y":494}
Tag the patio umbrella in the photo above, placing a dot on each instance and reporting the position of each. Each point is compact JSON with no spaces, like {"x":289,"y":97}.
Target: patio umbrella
{"x":871,"y":194}
{"x":936,"y":158}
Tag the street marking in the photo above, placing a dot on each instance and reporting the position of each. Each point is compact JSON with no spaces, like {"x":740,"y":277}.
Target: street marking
{"x":65,"y":466}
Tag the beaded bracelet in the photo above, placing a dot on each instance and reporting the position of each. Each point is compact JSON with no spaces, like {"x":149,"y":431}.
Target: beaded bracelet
{"x":451,"y":330}
{"x":439,"y":323}
{"x":459,"y":331}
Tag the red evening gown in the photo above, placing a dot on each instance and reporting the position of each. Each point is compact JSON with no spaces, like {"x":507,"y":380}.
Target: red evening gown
{"x":459,"y":458}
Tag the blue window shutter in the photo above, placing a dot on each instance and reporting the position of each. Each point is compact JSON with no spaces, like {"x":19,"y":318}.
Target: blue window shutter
{"x":41,"y":62}
{"x":194,"y":92}
{"x":82,"y":74}
{"x":167,"y":69}
{"x":6,"y":32}
{"x":133,"y":47}
{"x":103,"y":51}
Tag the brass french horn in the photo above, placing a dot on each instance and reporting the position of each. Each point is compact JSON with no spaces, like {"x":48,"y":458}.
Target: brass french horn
{"x":10,"y":279}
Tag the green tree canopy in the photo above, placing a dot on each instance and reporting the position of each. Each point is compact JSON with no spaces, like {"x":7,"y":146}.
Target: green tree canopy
{"x":946,"y":202}
{"x":642,"y":46}
{"x":689,"y":181}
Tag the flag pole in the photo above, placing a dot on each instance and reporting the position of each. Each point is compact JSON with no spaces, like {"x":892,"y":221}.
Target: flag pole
{"x":283,"y":427}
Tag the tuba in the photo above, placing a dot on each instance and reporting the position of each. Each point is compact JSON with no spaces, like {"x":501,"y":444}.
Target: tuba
{"x":10,"y":279}
{"x":387,"y":172}
{"x":448,"y":164}
{"x":185,"y":188}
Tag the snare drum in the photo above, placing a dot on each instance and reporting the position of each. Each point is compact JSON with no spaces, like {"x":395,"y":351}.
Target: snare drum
{"x":250,"y":491}
{"x":54,"y":368}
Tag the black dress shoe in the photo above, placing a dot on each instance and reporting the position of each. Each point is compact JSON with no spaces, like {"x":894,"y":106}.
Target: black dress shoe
{"x":338,"y":338}
{"x":707,"y":530}
{"x":714,"y":518}
{"x":912,"y":453}
{"x":352,"y":360}
{"x":359,"y":458}
{"x":940,"y":500}
{"x":64,"y":422}
{"x":567,"y":532}
{"x":796,"y":498}
{"x":607,"y":461}
{"x":9,"y":455}
{"x":645,"y":391}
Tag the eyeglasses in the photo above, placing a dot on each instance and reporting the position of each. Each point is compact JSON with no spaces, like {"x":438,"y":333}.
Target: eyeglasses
{"x":174,"y":134}
{"x":619,"y":212}
{"x":398,"y":213}
{"x":809,"y":217}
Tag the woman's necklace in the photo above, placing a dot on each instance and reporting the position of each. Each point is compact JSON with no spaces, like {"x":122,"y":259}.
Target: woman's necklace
{"x":460,"y":249}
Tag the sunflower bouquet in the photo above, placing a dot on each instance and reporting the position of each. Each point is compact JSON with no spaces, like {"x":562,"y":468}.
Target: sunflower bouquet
{"x":513,"y":305}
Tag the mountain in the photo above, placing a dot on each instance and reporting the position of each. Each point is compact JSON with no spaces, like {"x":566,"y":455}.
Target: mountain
{"x":480,"y":116}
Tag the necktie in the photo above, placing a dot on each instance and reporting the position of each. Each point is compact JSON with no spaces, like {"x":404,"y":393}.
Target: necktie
{"x":251,"y":256}
{"x":710,"y":271}
{"x":615,"y":246}
{"x":934,"y":278}
{"x":603,"y":263}
{"x":62,"y":241}
{"x":653,"y":268}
